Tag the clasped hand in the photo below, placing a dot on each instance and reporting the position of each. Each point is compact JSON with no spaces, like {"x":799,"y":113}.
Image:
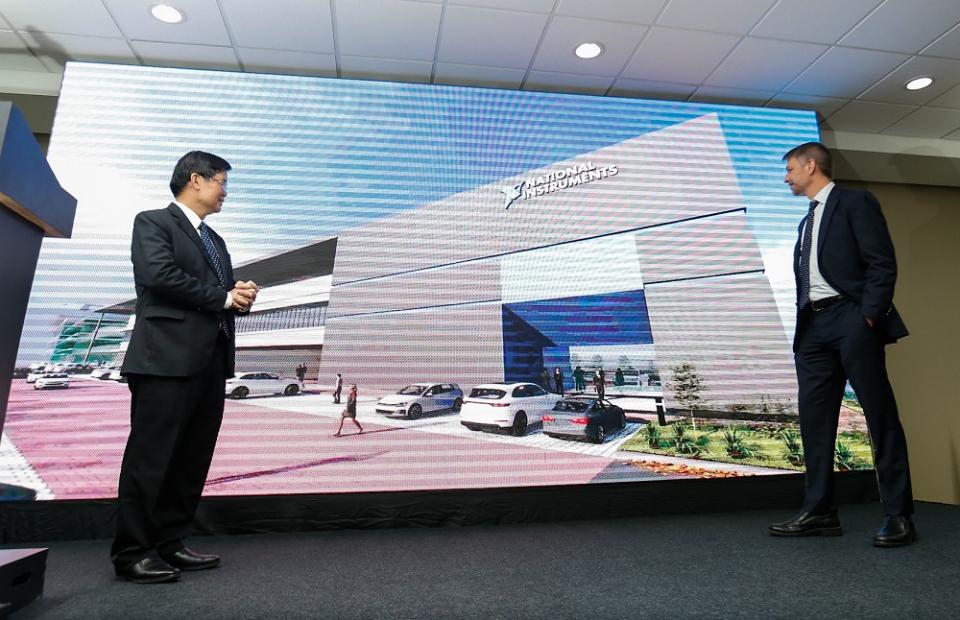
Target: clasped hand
{"x":244,"y":294}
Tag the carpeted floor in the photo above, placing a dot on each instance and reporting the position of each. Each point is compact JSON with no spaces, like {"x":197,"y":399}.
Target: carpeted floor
{"x":694,"y":566}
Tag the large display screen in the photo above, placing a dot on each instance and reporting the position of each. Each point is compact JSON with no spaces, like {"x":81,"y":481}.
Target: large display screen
{"x":463,"y":256}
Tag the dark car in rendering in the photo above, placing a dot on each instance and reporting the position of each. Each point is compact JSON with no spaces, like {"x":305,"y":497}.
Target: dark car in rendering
{"x":584,"y":418}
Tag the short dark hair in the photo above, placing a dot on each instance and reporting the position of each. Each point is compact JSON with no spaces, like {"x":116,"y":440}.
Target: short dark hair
{"x":815,"y":151}
{"x":204,"y":164}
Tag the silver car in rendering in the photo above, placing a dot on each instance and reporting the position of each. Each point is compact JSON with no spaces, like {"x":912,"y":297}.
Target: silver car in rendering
{"x":261,"y":384}
{"x":419,"y":398}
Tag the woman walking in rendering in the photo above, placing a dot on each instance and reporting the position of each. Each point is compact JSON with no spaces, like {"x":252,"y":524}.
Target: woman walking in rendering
{"x":350,"y":411}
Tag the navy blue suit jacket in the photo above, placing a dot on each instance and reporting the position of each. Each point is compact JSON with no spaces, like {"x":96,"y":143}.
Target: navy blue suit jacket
{"x":856,"y":257}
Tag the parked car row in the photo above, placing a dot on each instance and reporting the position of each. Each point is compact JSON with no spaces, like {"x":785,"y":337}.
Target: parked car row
{"x":510,"y":406}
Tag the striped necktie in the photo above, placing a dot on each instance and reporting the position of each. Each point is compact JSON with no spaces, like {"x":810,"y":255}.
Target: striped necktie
{"x":806,"y":246}
{"x":211,"y":251}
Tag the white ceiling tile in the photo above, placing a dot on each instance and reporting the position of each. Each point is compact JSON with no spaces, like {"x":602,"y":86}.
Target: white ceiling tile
{"x":890,"y":89}
{"x":657,"y":59}
{"x":904,"y":25}
{"x":736,"y":96}
{"x":15,"y":56}
{"x":534,"y":6}
{"x":953,"y":136}
{"x":471,"y":75}
{"x":949,"y":99}
{"x":646,"y":89}
{"x":567,"y":83}
{"x":825,"y":106}
{"x":304,"y":27}
{"x":185,"y":55}
{"x":817,"y":21}
{"x":845,"y":72}
{"x":257,"y":60}
{"x":202,"y":23}
{"x":489,"y":37}
{"x":948,"y":45}
{"x":565,"y":33}
{"x":867,"y":117}
{"x":388,"y":29}
{"x":365,"y":68}
{"x":926,"y":123}
{"x":84,"y":17}
{"x":764,"y":64}
{"x":734,"y":16}
{"x":55,"y":49}
{"x":636,"y":11}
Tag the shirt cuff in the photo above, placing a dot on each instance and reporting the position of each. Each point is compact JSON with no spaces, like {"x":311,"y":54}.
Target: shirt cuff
{"x":229,"y":302}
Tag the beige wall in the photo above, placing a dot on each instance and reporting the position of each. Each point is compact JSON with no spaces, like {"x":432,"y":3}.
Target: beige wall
{"x":924,"y":368}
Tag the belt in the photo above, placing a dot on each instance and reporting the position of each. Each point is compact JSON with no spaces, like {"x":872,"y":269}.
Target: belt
{"x":823,"y":304}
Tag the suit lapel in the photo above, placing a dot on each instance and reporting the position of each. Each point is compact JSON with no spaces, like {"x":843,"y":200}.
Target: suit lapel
{"x":192,"y":233}
{"x":828,"y":210}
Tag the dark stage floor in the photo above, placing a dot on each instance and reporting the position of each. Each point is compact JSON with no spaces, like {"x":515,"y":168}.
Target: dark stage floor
{"x":695,"y":566}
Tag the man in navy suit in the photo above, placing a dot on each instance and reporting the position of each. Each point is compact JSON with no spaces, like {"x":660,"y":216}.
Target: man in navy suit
{"x":845,"y":270}
{"x":180,"y":355}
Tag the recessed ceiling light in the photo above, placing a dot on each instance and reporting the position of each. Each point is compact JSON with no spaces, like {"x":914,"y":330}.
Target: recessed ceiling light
{"x":920,"y":82}
{"x":588,"y":50}
{"x":166,"y":13}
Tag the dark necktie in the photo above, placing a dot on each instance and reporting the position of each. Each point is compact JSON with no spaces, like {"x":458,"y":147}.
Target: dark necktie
{"x":806,"y":246}
{"x":211,"y":251}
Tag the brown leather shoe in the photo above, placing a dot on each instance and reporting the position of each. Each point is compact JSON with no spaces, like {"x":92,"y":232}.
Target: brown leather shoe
{"x":896,"y":531}
{"x":806,"y":524}
{"x":148,"y":570}
{"x":184,"y":559}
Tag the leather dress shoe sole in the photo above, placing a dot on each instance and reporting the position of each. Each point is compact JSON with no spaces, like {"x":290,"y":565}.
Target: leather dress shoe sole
{"x":191,"y":561}
{"x":897,"y":542}
{"x":813,"y":531}
{"x":145,"y":572}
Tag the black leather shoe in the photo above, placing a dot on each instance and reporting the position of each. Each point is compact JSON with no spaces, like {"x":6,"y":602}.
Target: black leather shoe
{"x":896,"y":531}
{"x":806,"y":524}
{"x":148,"y":570}
{"x":184,"y":559}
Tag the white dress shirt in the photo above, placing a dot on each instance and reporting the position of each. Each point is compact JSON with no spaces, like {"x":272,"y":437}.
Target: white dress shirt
{"x":819,"y":289}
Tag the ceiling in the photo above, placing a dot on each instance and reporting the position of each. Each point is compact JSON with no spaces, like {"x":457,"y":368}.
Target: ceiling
{"x":847,"y":59}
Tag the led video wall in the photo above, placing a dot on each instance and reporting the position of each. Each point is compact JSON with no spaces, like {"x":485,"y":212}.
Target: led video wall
{"x":429,"y":240}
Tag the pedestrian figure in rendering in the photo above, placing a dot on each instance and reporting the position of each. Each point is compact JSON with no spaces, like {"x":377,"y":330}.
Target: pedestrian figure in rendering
{"x":600,"y":382}
{"x":618,"y":378}
{"x":545,"y":380}
{"x":350,"y":411}
{"x":845,"y":272}
{"x":558,"y":380}
{"x":337,"y":388}
{"x":578,"y":379}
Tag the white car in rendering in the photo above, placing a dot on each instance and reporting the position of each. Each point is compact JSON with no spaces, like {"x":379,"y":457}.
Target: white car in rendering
{"x":261,"y":384}
{"x":52,"y":380}
{"x":418,"y":398}
{"x":103,"y":373}
{"x":512,"y":406}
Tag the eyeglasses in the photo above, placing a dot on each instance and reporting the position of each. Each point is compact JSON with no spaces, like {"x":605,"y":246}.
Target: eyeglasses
{"x":222,"y":182}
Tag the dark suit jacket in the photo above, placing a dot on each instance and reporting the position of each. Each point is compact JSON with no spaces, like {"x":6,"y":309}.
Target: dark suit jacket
{"x":179,"y":300}
{"x":856,"y":257}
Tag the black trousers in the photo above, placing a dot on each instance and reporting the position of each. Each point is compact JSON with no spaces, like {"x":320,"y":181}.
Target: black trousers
{"x":833,"y":346}
{"x":174,"y":423}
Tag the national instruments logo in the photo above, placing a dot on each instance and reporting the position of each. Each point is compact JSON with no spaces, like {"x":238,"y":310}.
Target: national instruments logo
{"x":556,"y":181}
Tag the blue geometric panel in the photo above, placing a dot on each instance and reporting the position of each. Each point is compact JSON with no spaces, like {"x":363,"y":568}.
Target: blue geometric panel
{"x":537,"y":335}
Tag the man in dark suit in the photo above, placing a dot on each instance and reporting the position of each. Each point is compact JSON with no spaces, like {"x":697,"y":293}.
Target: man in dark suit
{"x":845,"y":271}
{"x":179,"y":357}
